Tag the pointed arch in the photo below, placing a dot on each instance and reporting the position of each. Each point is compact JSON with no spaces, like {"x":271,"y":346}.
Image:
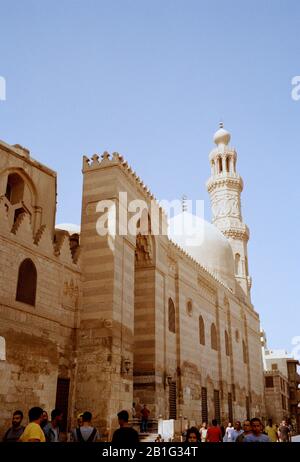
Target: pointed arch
{"x":213,"y":337}
{"x":213,"y":168}
{"x":14,"y":188}
{"x":227,"y":344}
{"x":25,"y":177}
{"x":227,"y":164}
{"x":171,"y":317}
{"x":246,"y":266}
{"x":201,"y":331}
{"x":189,"y":307}
{"x":245,"y":353}
{"x":237,"y":261}
{"x":220,"y":165}
{"x":27,"y":282}
{"x":2,"y":349}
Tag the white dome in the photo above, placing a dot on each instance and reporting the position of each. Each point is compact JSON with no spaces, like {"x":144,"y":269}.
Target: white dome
{"x":70,"y":227}
{"x":222,"y":136}
{"x":205,"y":243}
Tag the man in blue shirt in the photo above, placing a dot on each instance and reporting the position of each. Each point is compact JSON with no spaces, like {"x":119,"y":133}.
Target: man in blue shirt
{"x":256,"y":436}
{"x":237,"y":430}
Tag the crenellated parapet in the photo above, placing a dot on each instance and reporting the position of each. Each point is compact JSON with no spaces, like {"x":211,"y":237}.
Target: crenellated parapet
{"x":115,"y":159}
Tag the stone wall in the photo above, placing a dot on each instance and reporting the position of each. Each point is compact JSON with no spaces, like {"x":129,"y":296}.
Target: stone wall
{"x":39,"y":339}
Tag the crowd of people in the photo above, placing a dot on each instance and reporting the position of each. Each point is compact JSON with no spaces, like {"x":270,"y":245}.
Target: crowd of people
{"x":252,"y":431}
{"x":41,"y":429}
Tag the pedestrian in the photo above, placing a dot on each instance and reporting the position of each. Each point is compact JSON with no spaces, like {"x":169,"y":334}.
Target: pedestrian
{"x":133,"y":411}
{"x":237,"y":430}
{"x":203,"y":432}
{"x":222,"y":428}
{"x":33,"y":432}
{"x":284,"y":432}
{"x":192,"y":435}
{"x":246,"y":431}
{"x":272,"y":431}
{"x":15,"y":431}
{"x":45,"y":419}
{"x":125,"y":435}
{"x":159,"y":439}
{"x":85,"y":433}
{"x":79,"y":419}
{"x":145,"y":417}
{"x":214,"y":434}
{"x":256,"y":435}
{"x":138,"y":409}
{"x":229,"y":434}
{"x":52,"y":429}
{"x":79,"y":424}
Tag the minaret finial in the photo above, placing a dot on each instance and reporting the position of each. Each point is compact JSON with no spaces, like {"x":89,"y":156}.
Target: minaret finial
{"x":221,"y":136}
{"x":184,"y":204}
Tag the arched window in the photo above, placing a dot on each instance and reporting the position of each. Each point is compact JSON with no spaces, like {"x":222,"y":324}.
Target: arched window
{"x":14,"y":188}
{"x":213,"y":337}
{"x":2,"y":349}
{"x":246,"y":266}
{"x":27,"y":279}
{"x":220,"y":165}
{"x":213,"y":167}
{"x":18,"y":212}
{"x":227,"y":164}
{"x":237,"y":335}
{"x":189,"y":307}
{"x":201,"y":331}
{"x":171,"y":316}
{"x":227,"y":347}
{"x":237,"y":263}
{"x":245,"y":355}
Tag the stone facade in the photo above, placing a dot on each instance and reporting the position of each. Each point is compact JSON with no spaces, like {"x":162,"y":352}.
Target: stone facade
{"x":277,"y":396}
{"x":116,"y":316}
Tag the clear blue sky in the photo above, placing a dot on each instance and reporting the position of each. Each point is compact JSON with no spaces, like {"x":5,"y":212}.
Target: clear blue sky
{"x":151,"y":79}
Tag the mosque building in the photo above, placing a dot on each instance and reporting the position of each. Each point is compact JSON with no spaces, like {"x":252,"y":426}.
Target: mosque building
{"x":94,"y":321}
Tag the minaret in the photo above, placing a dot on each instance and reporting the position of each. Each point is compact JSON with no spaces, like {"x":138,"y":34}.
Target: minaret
{"x":225,"y":186}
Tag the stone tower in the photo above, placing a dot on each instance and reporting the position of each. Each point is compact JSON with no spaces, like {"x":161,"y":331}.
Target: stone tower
{"x":117,"y":334}
{"x":225,"y":186}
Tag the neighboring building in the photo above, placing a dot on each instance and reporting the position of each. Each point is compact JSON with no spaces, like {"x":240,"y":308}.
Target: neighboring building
{"x":96,"y":322}
{"x":294,"y":385}
{"x":282,"y":383}
{"x":277,"y":395}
